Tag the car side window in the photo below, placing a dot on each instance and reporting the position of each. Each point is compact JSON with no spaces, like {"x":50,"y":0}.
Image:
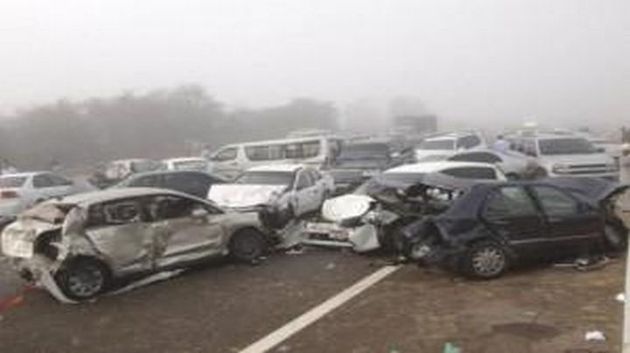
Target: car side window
{"x":556,"y":203}
{"x":472,"y":173}
{"x":42,"y":181}
{"x":227,"y":154}
{"x":165,"y":207}
{"x":509,"y":201}
{"x":115,"y":213}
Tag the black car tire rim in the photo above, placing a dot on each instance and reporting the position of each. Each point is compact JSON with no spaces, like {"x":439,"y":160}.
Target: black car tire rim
{"x":488,"y":261}
{"x":86,"y":281}
{"x":247,"y":246}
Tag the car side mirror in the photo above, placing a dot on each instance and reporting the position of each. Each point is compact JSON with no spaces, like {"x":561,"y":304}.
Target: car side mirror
{"x":199,"y":212}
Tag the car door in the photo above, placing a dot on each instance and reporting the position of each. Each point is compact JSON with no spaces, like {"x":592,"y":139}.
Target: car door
{"x":186,"y":230}
{"x":510,"y":212}
{"x":573,"y":224}
{"x":121,"y":232}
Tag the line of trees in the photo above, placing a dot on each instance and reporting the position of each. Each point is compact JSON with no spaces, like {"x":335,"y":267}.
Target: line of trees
{"x":156,"y":125}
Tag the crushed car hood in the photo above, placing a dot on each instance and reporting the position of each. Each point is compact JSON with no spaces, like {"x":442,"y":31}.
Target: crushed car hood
{"x":346,"y":207}
{"x":241,"y":195}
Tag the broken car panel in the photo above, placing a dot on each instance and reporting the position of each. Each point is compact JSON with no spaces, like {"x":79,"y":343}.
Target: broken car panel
{"x":370,"y":218}
{"x":493,"y":225}
{"x":86,"y":241}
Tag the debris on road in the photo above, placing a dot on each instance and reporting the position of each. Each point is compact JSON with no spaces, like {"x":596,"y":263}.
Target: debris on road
{"x":331,"y":266}
{"x":595,"y":336}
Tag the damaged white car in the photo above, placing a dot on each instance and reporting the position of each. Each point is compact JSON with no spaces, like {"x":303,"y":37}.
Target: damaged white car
{"x":77,"y":246}
{"x":292,"y":189}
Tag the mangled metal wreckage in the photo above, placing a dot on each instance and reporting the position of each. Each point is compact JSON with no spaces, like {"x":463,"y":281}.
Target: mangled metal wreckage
{"x":77,"y":246}
{"x":493,"y":226}
{"x":370,"y":218}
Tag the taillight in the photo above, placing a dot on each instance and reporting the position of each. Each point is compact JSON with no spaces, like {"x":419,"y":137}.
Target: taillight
{"x":8,"y":194}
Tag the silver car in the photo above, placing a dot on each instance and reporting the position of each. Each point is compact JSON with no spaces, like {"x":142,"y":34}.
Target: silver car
{"x":81,"y":243}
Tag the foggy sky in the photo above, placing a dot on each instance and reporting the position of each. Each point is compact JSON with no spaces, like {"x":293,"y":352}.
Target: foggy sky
{"x":559,"y":60}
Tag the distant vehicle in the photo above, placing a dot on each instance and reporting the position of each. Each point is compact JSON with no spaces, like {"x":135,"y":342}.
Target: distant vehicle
{"x":120,"y":169}
{"x":186,"y":181}
{"x":292,"y":189}
{"x":21,"y":191}
{"x":358,"y":162}
{"x":88,"y":241}
{"x":186,"y":163}
{"x":232,"y":160}
{"x":442,"y":146}
{"x":495,"y":225}
{"x":565,"y":155}
{"x":513,"y":165}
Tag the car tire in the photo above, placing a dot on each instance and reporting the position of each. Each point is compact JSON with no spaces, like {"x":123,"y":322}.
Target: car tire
{"x":83,"y":278}
{"x":247,"y":245}
{"x":484,"y":260}
{"x":615,"y":237}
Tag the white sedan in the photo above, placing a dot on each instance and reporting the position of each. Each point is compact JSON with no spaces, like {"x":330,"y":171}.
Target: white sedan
{"x":20,"y":191}
{"x":294,"y":188}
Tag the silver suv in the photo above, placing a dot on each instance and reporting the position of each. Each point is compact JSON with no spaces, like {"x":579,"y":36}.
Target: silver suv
{"x":565,"y":155}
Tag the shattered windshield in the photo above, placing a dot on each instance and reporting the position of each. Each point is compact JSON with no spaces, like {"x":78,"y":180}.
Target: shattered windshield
{"x":566,"y":146}
{"x":266,"y":178}
{"x":437,"y":145}
{"x":12,"y":181}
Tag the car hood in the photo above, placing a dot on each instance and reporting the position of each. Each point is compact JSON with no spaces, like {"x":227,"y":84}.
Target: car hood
{"x":591,"y":158}
{"x":241,"y":195}
{"x":346,"y":207}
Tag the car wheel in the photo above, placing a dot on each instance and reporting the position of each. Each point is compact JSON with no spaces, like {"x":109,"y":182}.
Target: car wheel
{"x":485,"y":260}
{"x":83,"y":278}
{"x":616,"y":238}
{"x":247,"y":245}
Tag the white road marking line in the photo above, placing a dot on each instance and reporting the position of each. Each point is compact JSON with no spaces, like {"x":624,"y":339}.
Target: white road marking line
{"x":294,"y":326}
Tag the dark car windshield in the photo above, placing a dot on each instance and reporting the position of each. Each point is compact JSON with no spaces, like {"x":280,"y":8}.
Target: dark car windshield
{"x":566,"y":146}
{"x":266,"y":178}
{"x":12,"y":181}
{"x":437,"y":145}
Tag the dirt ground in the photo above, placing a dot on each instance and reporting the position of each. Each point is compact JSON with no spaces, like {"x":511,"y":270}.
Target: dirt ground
{"x":224,"y":307}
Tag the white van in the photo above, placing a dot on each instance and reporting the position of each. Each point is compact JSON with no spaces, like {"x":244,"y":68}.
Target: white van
{"x":231,"y":160}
